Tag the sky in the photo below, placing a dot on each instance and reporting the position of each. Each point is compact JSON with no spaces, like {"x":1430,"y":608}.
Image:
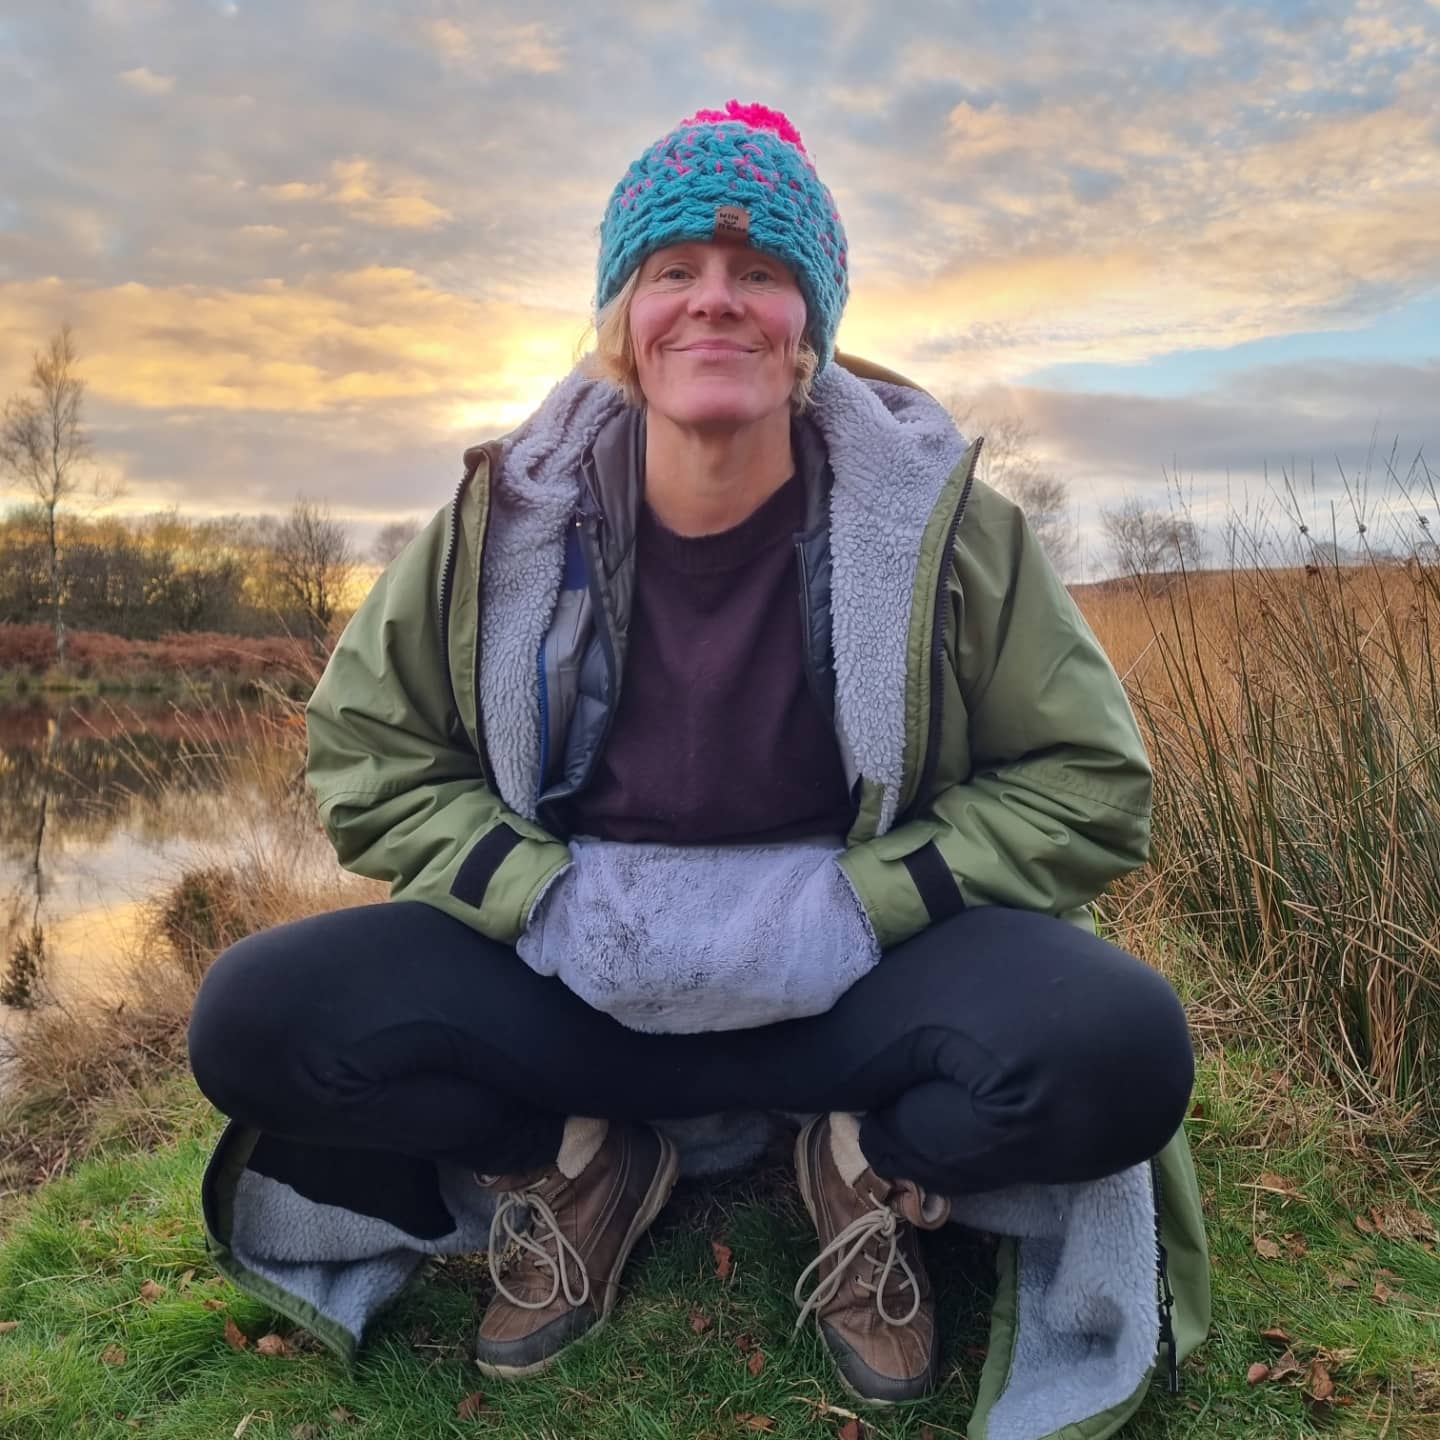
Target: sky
{"x":311,"y":247}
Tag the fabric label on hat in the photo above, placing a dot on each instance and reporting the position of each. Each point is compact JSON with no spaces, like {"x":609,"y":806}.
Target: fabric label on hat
{"x":731,"y":220}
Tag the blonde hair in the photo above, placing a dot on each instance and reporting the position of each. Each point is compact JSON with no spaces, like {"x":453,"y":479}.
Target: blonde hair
{"x":614,"y":357}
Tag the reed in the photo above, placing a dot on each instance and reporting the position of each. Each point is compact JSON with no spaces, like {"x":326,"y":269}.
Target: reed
{"x":1292,"y":714}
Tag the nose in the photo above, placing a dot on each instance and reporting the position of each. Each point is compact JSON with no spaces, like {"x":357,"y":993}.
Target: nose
{"x":716,"y":293}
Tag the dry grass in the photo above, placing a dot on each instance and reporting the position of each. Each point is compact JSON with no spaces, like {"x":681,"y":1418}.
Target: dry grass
{"x":77,"y":1061}
{"x":1293,"y":717}
{"x":30,"y":650}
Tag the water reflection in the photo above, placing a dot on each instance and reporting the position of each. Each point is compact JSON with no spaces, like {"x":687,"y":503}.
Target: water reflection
{"x":101,"y":807}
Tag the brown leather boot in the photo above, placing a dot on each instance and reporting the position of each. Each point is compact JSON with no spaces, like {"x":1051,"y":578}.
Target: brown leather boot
{"x":872,"y":1296}
{"x":586,"y":1213}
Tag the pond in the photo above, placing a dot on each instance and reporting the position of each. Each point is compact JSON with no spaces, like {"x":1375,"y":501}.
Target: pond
{"x":104,"y":804}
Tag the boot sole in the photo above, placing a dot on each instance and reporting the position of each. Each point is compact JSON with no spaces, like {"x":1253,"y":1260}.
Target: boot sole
{"x":806,"y":1182}
{"x":650,"y":1208}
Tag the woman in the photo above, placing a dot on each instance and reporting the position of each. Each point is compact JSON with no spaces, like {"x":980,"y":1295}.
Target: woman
{"x":731,"y":751}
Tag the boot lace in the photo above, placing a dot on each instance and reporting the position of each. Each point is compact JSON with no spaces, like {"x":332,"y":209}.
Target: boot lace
{"x":854,"y":1243}
{"x":563,"y":1265}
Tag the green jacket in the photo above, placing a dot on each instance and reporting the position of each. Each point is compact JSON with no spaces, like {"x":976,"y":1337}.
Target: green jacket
{"x":989,"y":738}
{"x":1022,"y":763}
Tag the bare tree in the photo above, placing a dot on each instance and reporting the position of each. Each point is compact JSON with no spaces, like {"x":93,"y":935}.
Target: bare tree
{"x":44,"y":447}
{"x":392,"y":539}
{"x":313,"y":561}
{"x":1008,"y":463}
{"x":1148,"y":541}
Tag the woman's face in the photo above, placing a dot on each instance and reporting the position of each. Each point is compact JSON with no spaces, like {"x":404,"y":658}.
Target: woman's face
{"x":715,"y":327}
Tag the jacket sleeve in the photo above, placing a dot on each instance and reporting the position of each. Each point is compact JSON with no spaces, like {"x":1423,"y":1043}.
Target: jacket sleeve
{"x":1057,"y":801}
{"x":399,"y":787}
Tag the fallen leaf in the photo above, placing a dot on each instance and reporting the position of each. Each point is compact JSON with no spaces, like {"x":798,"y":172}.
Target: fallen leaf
{"x":308,"y":1431}
{"x":850,"y":1430}
{"x":1295,"y":1246}
{"x":235,"y":1337}
{"x":724,"y":1255}
{"x":213,"y":1304}
{"x":1257,"y":1372}
{"x":112,"y":1355}
{"x":1276,"y":1336}
{"x":1276,"y":1184}
{"x":271,"y":1345}
{"x":1381,"y":1293}
{"x":744,"y":1342}
{"x":1197,"y":1112}
{"x":470,"y":1406}
{"x":341,"y":1416}
{"x":756,"y":1363}
{"x":1287,"y":1364}
{"x":1364,"y":1225}
{"x":150,"y":1292}
{"x":1318,"y":1384}
{"x":6,"y":1326}
{"x":756,"y":1422}
{"x":183,"y":1283}
{"x":699,"y":1322}
{"x":1266,"y":1247}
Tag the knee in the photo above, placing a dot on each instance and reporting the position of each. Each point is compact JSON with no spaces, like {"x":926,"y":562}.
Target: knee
{"x":237,"y":1027}
{"x":1139,"y":1070}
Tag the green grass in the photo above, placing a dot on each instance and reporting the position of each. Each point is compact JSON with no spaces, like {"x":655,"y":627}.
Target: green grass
{"x":75,"y":1257}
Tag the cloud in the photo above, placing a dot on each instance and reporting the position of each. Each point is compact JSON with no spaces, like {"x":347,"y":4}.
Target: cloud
{"x":365,"y":338}
{"x":146,"y":82}
{"x":357,"y":187}
{"x":529,"y":49}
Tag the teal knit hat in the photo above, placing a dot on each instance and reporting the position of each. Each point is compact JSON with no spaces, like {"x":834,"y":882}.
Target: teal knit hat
{"x":738,"y":171}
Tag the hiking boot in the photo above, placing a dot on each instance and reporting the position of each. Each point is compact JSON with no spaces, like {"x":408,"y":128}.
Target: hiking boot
{"x":872,"y":1297}
{"x":585,"y":1214}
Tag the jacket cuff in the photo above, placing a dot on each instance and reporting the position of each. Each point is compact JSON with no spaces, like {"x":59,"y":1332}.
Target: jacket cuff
{"x":499,"y":881}
{"x":903,"y":882}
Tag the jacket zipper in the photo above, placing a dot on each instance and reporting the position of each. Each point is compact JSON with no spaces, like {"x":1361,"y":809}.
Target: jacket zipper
{"x":811,"y":675}
{"x":937,"y":639}
{"x":587,"y":521}
{"x":447,"y":587}
{"x":1166,"y":1297}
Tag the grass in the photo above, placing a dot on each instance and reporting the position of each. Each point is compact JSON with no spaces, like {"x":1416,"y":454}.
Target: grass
{"x":92,"y":1354}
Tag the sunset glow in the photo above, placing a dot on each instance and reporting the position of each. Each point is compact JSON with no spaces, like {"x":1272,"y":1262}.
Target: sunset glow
{"x":324,"y":247}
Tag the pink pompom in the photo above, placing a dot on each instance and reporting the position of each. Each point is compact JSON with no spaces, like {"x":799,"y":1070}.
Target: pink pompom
{"x":757,"y":117}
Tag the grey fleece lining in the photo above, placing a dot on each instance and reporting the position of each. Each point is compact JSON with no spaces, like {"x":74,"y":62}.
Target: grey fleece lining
{"x":1087,"y":1328}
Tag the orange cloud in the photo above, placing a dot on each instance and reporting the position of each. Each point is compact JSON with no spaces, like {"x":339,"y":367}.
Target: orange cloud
{"x":372,"y":337}
{"x":357,"y":187}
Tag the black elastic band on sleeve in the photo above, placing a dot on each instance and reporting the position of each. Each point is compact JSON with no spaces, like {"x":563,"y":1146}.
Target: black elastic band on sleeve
{"x":935,"y":883}
{"x":474,"y":876}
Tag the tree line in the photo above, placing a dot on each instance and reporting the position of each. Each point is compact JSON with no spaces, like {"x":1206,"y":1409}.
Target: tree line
{"x":141,"y":578}
{"x":152,"y":575}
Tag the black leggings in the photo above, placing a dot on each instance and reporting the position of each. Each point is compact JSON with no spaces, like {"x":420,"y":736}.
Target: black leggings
{"x":995,"y":1048}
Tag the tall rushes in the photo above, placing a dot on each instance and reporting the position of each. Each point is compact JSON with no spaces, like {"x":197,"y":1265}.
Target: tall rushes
{"x":1293,"y":717}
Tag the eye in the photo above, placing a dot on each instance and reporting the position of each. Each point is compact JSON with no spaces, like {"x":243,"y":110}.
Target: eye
{"x":671,"y":271}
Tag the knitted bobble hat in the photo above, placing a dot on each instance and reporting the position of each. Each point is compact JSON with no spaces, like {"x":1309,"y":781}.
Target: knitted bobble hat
{"x":741,"y":171}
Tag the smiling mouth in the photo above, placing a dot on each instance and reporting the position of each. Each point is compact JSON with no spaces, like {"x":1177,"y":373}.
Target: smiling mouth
{"x":714,"y":349}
